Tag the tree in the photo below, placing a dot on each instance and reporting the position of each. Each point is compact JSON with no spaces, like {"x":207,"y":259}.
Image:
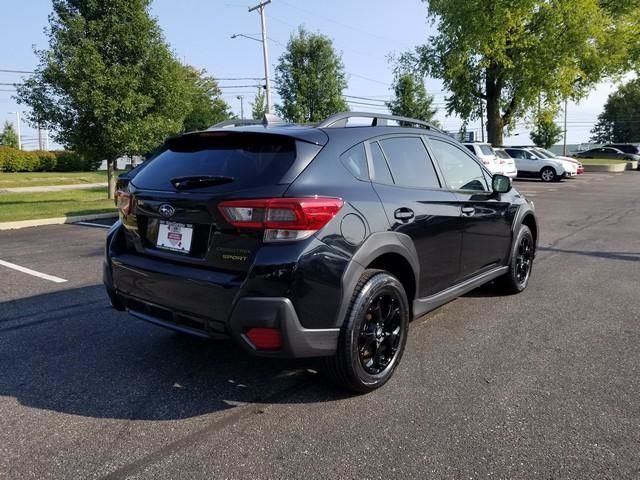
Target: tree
{"x":620,"y":120}
{"x":310,"y":78}
{"x":9,"y":137}
{"x":108,"y":85}
{"x":507,"y":52}
{"x":546,"y":132}
{"x":259,"y":106}
{"x":411,"y":99}
{"x":207,"y":105}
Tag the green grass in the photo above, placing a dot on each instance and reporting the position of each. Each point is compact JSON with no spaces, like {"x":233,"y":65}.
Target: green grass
{"x":29,"y":206}
{"x":599,"y":161}
{"x":38,"y":179}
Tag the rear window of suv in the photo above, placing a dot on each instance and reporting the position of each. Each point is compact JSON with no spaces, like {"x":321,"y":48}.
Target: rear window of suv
{"x":486,"y":150}
{"x":249,"y":159}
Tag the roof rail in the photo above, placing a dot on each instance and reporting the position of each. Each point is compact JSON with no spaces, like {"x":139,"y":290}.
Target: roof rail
{"x":267,"y":120}
{"x":234,"y":122}
{"x":377,"y":120}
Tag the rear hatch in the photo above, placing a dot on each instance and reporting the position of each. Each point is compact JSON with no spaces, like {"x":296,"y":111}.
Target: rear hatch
{"x":505,"y":162}
{"x":172,"y":210}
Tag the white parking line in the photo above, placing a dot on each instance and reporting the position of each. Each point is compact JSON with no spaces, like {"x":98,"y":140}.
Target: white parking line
{"x":28,"y":271}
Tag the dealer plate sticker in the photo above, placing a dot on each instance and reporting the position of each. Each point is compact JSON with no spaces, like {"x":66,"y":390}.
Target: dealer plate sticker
{"x":175,"y":236}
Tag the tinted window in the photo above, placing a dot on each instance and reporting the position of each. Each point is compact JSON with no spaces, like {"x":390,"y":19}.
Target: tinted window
{"x":515,"y":153}
{"x":627,"y":148}
{"x":410,"y":165}
{"x":250,"y":159}
{"x":486,"y":150}
{"x":355,"y":160}
{"x":460,"y":171}
{"x":502,"y":154}
{"x":381,"y":173}
{"x":471,"y":149}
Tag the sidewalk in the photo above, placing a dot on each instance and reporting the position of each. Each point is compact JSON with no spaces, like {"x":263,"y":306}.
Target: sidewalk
{"x":52,"y":188}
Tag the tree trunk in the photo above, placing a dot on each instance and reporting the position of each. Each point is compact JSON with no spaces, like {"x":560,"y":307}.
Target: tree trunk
{"x":111,"y":177}
{"x":495,"y":122}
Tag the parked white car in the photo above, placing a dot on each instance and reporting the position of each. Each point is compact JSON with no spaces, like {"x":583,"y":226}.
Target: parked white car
{"x":549,"y":154}
{"x":495,"y":164}
{"x":533,"y":164}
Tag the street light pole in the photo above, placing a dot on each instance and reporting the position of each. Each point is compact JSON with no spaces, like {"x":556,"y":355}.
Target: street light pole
{"x":17,"y":114}
{"x":241,"y":98}
{"x":564,"y":148}
{"x":265,"y":50}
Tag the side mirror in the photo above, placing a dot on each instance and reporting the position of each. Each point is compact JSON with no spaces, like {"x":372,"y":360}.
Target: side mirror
{"x":500,"y":183}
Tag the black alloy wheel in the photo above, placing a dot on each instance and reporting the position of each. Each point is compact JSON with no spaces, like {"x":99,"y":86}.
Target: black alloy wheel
{"x":380,"y":333}
{"x":524,"y":259}
{"x":374,"y":334}
{"x":520,"y":263}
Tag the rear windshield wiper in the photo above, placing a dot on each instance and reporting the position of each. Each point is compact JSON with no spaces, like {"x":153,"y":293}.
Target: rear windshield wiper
{"x":197,"y":181}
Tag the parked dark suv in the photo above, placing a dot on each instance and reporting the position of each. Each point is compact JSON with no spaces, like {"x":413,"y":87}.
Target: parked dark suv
{"x":314,"y":241}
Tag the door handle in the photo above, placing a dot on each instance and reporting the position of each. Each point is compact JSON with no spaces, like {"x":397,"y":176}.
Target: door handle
{"x":404,"y":214}
{"x":468,"y":211}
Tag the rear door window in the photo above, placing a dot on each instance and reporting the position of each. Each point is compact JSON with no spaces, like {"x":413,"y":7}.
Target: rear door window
{"x":245,"y":160}
{"x":381,"y":172}
{"x":409,"y":162}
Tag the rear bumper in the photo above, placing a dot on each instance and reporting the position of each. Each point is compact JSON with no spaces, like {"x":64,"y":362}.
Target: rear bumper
{"x":210,"y":304}
{"x":273,"y":313}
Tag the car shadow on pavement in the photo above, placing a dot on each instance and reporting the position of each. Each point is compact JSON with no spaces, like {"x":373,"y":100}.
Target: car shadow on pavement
{"x":626,"y":256}
{"x":70,"y":352}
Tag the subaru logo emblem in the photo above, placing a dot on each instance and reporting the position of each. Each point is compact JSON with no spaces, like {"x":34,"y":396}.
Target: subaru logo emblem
{"x":166,"y":210}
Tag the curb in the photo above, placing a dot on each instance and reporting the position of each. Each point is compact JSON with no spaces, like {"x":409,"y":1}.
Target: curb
{"x":616,"y":167}
{"x":54,"y":221}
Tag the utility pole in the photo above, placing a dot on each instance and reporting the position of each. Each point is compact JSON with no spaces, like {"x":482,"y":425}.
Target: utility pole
{"x":46,"y":140}
{"x":265,"y":50}
{"x":39,"y":137}
{"x":17,"y":114}
{"x":241,"y":98}
{"x":564,"y":148}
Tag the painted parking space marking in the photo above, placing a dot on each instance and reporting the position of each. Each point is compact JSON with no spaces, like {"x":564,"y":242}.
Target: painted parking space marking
{"x":34,"y":273}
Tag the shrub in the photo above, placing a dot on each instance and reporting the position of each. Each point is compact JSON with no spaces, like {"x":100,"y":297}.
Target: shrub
{"x":14,"y":160}
{"x":46,"y":161}
{"x":69,"y":161}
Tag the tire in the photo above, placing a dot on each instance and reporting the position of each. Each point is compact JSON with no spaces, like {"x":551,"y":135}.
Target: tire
{"x":548,"y":174}
{"x":373,"y":336}
{"x":520,"y":263}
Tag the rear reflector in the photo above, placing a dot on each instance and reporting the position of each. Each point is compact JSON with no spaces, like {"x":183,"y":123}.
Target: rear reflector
{"x":265,"y":338}
{"x":282,"y":219}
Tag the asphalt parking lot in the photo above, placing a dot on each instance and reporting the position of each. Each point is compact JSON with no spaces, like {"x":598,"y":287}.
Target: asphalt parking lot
{"x":545,"y":384}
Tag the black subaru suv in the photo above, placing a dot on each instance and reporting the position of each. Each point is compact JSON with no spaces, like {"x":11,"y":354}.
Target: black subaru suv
{"x":314,"y":241}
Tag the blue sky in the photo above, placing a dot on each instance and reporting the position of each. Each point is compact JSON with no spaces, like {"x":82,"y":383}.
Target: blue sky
{"x":199,"y":31}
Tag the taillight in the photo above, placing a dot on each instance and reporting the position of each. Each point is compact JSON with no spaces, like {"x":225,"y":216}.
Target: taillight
{"x":282,"y":219}
{"x":123,"y":202}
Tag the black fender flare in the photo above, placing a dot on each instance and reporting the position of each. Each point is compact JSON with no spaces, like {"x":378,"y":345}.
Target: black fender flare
{"x":524,"y":211}
{"x":373,"y":247}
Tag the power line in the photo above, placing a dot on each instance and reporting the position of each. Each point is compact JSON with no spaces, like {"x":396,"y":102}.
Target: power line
{"x":334,"y":21}
{"x":369,"y":79}
{"x":15,"y":71}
